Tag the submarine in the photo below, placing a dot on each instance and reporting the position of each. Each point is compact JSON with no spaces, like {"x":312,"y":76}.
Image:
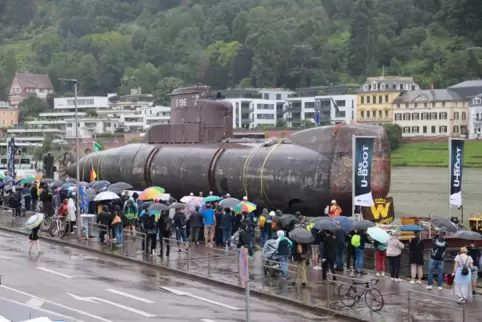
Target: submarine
{"x":196,"y":152}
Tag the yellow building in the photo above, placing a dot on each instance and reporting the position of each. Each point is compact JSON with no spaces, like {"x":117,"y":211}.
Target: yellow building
{"x":375,"y":98}
{"x":8,"y":115}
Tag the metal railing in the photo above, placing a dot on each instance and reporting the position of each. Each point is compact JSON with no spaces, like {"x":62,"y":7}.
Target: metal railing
{"x":425,"y":299}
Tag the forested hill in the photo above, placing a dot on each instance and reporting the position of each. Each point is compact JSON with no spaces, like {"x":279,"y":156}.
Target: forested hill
{"x":113,"y":45}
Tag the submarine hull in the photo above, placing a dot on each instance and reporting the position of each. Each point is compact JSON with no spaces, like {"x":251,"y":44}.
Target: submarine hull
{"x":302,"y":172}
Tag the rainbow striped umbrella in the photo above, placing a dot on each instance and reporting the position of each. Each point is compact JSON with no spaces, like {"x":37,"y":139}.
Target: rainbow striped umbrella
{"x":151,"y":193}
{"x":245,"y":206}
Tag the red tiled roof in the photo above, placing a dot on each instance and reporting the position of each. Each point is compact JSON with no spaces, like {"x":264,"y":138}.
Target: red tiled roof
{"x":38,"y":81}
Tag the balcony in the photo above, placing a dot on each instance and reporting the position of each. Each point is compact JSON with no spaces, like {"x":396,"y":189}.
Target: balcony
{"x":292,"y":109}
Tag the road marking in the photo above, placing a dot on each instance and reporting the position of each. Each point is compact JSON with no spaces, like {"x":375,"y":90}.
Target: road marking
{"x":39,"y":309}
{"x":56,"y":304}
{"x":96,"y":300}
{"x":33,"y":302}
{"x":5,"y":257}
{"x":207,"y":320}
{"x":54,"y":272}
{"x":130,"y":296}
{"x":182,"y":293}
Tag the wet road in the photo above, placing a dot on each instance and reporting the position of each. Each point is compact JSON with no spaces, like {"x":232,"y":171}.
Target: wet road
{"x":71,"y":285}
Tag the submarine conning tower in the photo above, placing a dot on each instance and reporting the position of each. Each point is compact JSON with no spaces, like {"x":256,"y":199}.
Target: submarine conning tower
{"x":195,"y":118}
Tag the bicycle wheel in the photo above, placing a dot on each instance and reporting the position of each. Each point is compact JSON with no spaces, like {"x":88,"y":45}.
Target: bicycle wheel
{"x":46,"y":224}
{"x":62,"y":233}
{"x":374,"y":300}
{"x":349,"y":297}
{"x":54,"y":229}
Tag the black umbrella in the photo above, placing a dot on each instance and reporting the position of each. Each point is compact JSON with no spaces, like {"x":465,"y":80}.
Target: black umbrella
{"x":444,"y":223}
{"x":362,"y":224}
{"x":301,"y":235}
{"x":146,"y":204}
{"x":177,"y":205}
{"x":56,"y":184}
{"x":100,"y":185}
{"x":46,"y":181}
{"x":229,"y":202}
{"x":287,"y":222}
{"x":468,"y":235}
{"x":120,"y":185}
{"x":327,"y":224}
{"x":158,"y":207}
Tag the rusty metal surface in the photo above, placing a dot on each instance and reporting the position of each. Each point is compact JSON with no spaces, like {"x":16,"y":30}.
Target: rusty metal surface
{"x":306,"y":170}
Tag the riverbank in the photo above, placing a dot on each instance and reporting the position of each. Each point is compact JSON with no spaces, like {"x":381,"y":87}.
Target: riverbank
{"x":435,"y":154}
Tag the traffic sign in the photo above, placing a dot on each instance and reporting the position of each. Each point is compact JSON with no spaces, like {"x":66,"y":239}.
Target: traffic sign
{"x":243,"y":266}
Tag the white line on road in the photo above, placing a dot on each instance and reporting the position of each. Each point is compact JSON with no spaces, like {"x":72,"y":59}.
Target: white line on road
{"x":54,"y":272}
{"x":130,"y":296}
{"x":5,"y":257}
{"x":207,"y":320}
{"x":57,"y":304}
{"x":40,"y":310}
{"x":96,"y":300}
{"x":33,"y":302}
{"x":182,"y":293}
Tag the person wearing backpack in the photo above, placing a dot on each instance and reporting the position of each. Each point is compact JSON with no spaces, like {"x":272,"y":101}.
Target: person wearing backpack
{"x":350,"y":251}
{"x":165,"y":231}
{"x":463,"y":275}
{"x":179,"y":221}
{"x":263,"y":218}
{"x":394,"y":253}
{"x":380,"y":254}
{"x":358,"y":241}
{"x":150,"y":228}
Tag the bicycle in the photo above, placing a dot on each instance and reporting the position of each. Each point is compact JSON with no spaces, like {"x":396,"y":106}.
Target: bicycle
{"x":350,"y":295}
{"x":58,"y":227}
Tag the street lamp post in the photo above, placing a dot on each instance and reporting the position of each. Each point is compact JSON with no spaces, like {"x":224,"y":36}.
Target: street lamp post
{"x":77,"y":169}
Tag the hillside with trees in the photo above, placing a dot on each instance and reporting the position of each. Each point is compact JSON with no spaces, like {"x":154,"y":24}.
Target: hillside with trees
{"x":115,"y":45}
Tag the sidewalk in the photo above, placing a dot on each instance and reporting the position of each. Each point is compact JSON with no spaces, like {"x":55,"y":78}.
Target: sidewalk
{"x":221,"y":265}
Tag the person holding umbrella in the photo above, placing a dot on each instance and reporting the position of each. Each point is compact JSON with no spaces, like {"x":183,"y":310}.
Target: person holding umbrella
{"x":302,"y":239}
{"x":33,"y":224}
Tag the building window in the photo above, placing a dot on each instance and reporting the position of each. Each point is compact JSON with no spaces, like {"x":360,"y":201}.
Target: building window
{"x":433,"y":116}
{"x":380,"y":115}
{"x":362,"y":114}
{"x":340,"y":103}
{"x":442,"y":129}
{"x":464,"y":115}
{"x":368,"y":99}
{"x":69,"y":124}
{"x":463,"y":129}
{"x":362,"y":98}
{"x":415,"y":116}
{"x":442,"y":115}
{"x":398,"y":117}
{"x":425,"y":116}
{"x":266,"y":96}
{"x":398,"y":105}
{"x":424,"y":129}
{"x":383,"y":86}
{"x":477,"y":101}
{"x":4,"y":122}
{"x":406,"y":116}
{"x":278,"y":97}
{"x":374,"y":86}
{"x":368,"y":114}
{"x":265,"y":116}
{"x":365,"y":87}
{"x":456,"y":129}
{"x":380,"y":99}
{"x":456,"y":115}
{"x":434,"y":129}
{"x":374,"y":113}
{"x":386,"y":98}
{"x":443,"y":104}
{"x":425,"y":104}
{"x":406,"y":129}
{"x":406,"y":105}
{"x":414,"y":129}
{"x":374,"y":99}
{"x":386,"y":114}
{"x":394,"y":86}
{"x":415,"y":105}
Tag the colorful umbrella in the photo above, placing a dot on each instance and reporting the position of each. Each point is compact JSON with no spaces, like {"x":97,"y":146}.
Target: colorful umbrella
{"x":211,"y":199}
{"x":67,"y":185}
{"x":151,"y":193}
{"x":412,"y":227}
{"x":2,"y":176}
{"x":245,"y":207}
{"x":34,"y":221}
{"x":378,"y":234}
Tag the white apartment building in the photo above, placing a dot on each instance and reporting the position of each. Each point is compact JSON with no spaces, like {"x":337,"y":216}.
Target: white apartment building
{"x":32,"y":137}
{"x":475,"y":117}
{"x":89,"y":126}
{"x":256,"y":107}
{"x":333,"y":109}
{"x":67,"y":104}
{"x":431,"y":113}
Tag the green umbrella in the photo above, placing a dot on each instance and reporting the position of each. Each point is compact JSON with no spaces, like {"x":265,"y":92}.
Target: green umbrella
{"x":28,"y":180}
{"x":2,"y":176}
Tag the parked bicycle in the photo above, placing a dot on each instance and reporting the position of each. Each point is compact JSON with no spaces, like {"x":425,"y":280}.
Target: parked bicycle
{"x":58,"y":227}
{"x":351,"y":296}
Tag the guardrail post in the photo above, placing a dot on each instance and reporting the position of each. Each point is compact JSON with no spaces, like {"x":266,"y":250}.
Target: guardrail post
{"x":209,"y":261}
{"x":464,"y":312}
{"x":408,"y":307}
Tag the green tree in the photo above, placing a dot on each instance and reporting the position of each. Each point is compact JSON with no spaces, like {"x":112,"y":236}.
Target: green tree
{"x":164,"y":88}
{"x":394,"y":133}
{"x":32,"y":107}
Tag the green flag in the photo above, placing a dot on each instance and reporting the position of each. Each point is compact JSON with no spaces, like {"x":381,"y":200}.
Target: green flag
{"x":97,"y":147}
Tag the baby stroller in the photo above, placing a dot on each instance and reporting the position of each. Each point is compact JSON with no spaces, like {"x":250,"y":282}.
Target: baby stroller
{"x":270,"y":257}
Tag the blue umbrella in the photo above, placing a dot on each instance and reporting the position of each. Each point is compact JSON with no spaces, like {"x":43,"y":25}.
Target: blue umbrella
{"x":211,"y":199}
{"x":411,"y":228}
{"x":345,"y":222}
{"x":67,"y":185}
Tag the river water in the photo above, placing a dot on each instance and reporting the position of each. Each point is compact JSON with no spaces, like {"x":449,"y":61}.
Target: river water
{"x":425,"y":191}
